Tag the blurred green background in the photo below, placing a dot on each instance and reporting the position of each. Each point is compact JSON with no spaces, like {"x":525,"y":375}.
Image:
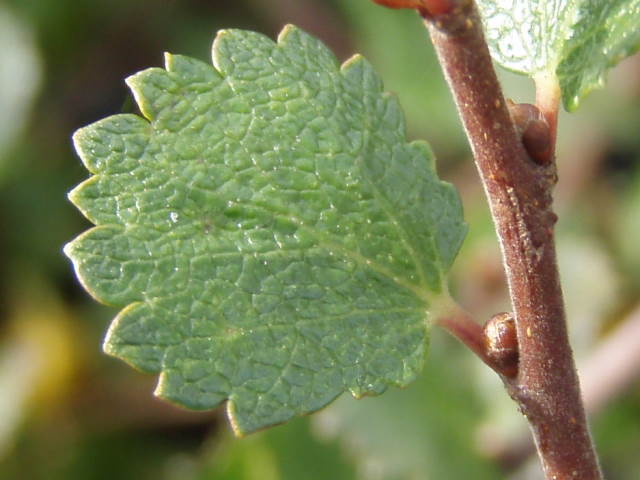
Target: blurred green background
{"x":67,"y":411}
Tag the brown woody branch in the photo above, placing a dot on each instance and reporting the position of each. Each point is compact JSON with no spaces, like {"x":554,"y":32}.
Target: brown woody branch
{"x":546,"y":386}
{"x":518,"y":187}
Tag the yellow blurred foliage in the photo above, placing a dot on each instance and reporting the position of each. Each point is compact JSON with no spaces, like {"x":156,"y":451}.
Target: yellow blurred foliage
{"x":39,"y":358}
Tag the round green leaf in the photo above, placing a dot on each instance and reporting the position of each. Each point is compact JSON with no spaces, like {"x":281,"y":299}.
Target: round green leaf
{"x":271,"y":235}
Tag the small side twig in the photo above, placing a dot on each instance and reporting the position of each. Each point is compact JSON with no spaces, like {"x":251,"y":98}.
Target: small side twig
{"x":460,"y":324}
{"x":495,"y":343}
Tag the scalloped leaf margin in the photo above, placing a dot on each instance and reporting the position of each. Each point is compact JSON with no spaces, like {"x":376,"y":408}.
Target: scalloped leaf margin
{"x":271,"y":235}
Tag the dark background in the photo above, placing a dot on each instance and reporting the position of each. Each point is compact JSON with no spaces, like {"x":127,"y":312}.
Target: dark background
{"x":67,"y":411}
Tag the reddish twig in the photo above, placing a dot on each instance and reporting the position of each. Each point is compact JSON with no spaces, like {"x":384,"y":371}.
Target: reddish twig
{"x":495,"y":342}
{"x":460,"y":324}
{"x":546,"y":387}
{"x":519,"y":192}
{"x":431,"y":7}
{"x":518,"y":184}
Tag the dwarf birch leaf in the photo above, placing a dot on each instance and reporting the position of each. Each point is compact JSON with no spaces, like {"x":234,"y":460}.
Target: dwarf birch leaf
{"x":576,"y":40}
{"x":271,"y":237}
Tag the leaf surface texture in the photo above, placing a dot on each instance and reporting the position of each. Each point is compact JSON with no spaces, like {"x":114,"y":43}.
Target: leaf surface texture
{"x":271,"y":237}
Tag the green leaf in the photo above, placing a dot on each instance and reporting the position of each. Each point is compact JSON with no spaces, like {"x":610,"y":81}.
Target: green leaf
{"x":576,"y":40}
{"x":272,"y":237}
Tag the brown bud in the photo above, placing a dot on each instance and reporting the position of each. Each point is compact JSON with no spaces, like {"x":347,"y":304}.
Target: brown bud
{"x":533,"y":129}
{"x":501,"y":343}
